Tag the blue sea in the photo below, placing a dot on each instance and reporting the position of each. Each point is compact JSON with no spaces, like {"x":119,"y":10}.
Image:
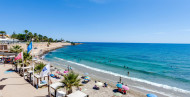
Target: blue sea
{"x":165,"y":64}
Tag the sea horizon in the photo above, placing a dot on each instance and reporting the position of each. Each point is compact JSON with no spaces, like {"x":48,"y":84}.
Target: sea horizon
{"x":134,"y":42}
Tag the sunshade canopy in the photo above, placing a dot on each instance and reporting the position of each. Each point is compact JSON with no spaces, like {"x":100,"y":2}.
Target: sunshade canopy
{"x":77,"y":94}
{"x":56,"y":85}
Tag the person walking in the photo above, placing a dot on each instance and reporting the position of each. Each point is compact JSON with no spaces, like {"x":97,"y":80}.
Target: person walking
{"x":120,"y":79}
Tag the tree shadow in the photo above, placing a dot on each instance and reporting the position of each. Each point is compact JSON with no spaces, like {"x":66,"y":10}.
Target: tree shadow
{"x":14,"y":77}
{"x":115,"y":90}
{"x":3,"y":79}
{"x":18,"y":84}
{"x":83,"y":82}
{"x":10,"y":70}
{"x":42,"y":96}
{"x":2,"y":86}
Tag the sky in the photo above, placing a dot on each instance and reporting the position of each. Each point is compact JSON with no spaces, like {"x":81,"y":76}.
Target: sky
{"x":134,"y":21}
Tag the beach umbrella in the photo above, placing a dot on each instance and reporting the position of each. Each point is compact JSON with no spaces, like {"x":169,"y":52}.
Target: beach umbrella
{"x":119,"y":85}
{"x":117,"y":94}
{"x":99,"y":84}
{"x":87,"y":77}
{"x":125,"y":87}
{"x":51,"y":75}
{"x":66,"y":71}
{"x":151,"y":95}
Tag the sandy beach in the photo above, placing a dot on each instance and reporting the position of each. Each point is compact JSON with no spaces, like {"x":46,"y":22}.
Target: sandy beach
{"x":40,"y":48}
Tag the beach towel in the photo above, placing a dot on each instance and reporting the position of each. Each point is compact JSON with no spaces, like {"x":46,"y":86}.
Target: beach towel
{"x":43,"y":82}
{"x":6,"y":72}
{"x":52,"y":75}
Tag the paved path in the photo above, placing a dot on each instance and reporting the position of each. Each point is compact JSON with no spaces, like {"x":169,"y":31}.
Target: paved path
{"x":12,"y":85}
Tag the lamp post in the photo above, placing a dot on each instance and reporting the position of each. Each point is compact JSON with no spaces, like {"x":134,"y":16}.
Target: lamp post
{"x":33,"y":60}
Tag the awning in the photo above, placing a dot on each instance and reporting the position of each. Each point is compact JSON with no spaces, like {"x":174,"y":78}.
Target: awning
{"x":7,"y":54}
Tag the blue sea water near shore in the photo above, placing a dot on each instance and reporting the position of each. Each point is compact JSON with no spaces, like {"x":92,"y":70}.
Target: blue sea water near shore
{"x":166,"y":65}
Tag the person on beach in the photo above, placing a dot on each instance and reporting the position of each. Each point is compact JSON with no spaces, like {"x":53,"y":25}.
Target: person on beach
{"x":71,"y":68}
{"x":96,"y":87}
{"x":124,"y":92}
{"x":120,"y":79}
{"x":128,"y":73}
{"x":119,"y":90}
{"x":68,"y":67}
{"x":105,"y":84}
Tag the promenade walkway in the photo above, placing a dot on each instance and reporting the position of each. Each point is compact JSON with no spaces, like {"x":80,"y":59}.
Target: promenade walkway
{"x":13,"y":85}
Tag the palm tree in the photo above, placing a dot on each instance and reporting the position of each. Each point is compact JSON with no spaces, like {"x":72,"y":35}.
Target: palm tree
{"x":27,"y":58}
{"x":50,"y":40}
{"x":39,"y":67}
{"x":3,"y":33}
{"x":26,"y":32}
{"x":35,"y":37}
{"x":45,"y":38}
{"x":14,"y":35}
{"x":71,"y":80}
{"x":40,"y":37}
{"x":30,"y":36}
{"x":16,"y":49}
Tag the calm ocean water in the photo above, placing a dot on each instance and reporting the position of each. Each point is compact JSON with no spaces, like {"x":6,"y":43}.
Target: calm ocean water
{"x":167,"y":64}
